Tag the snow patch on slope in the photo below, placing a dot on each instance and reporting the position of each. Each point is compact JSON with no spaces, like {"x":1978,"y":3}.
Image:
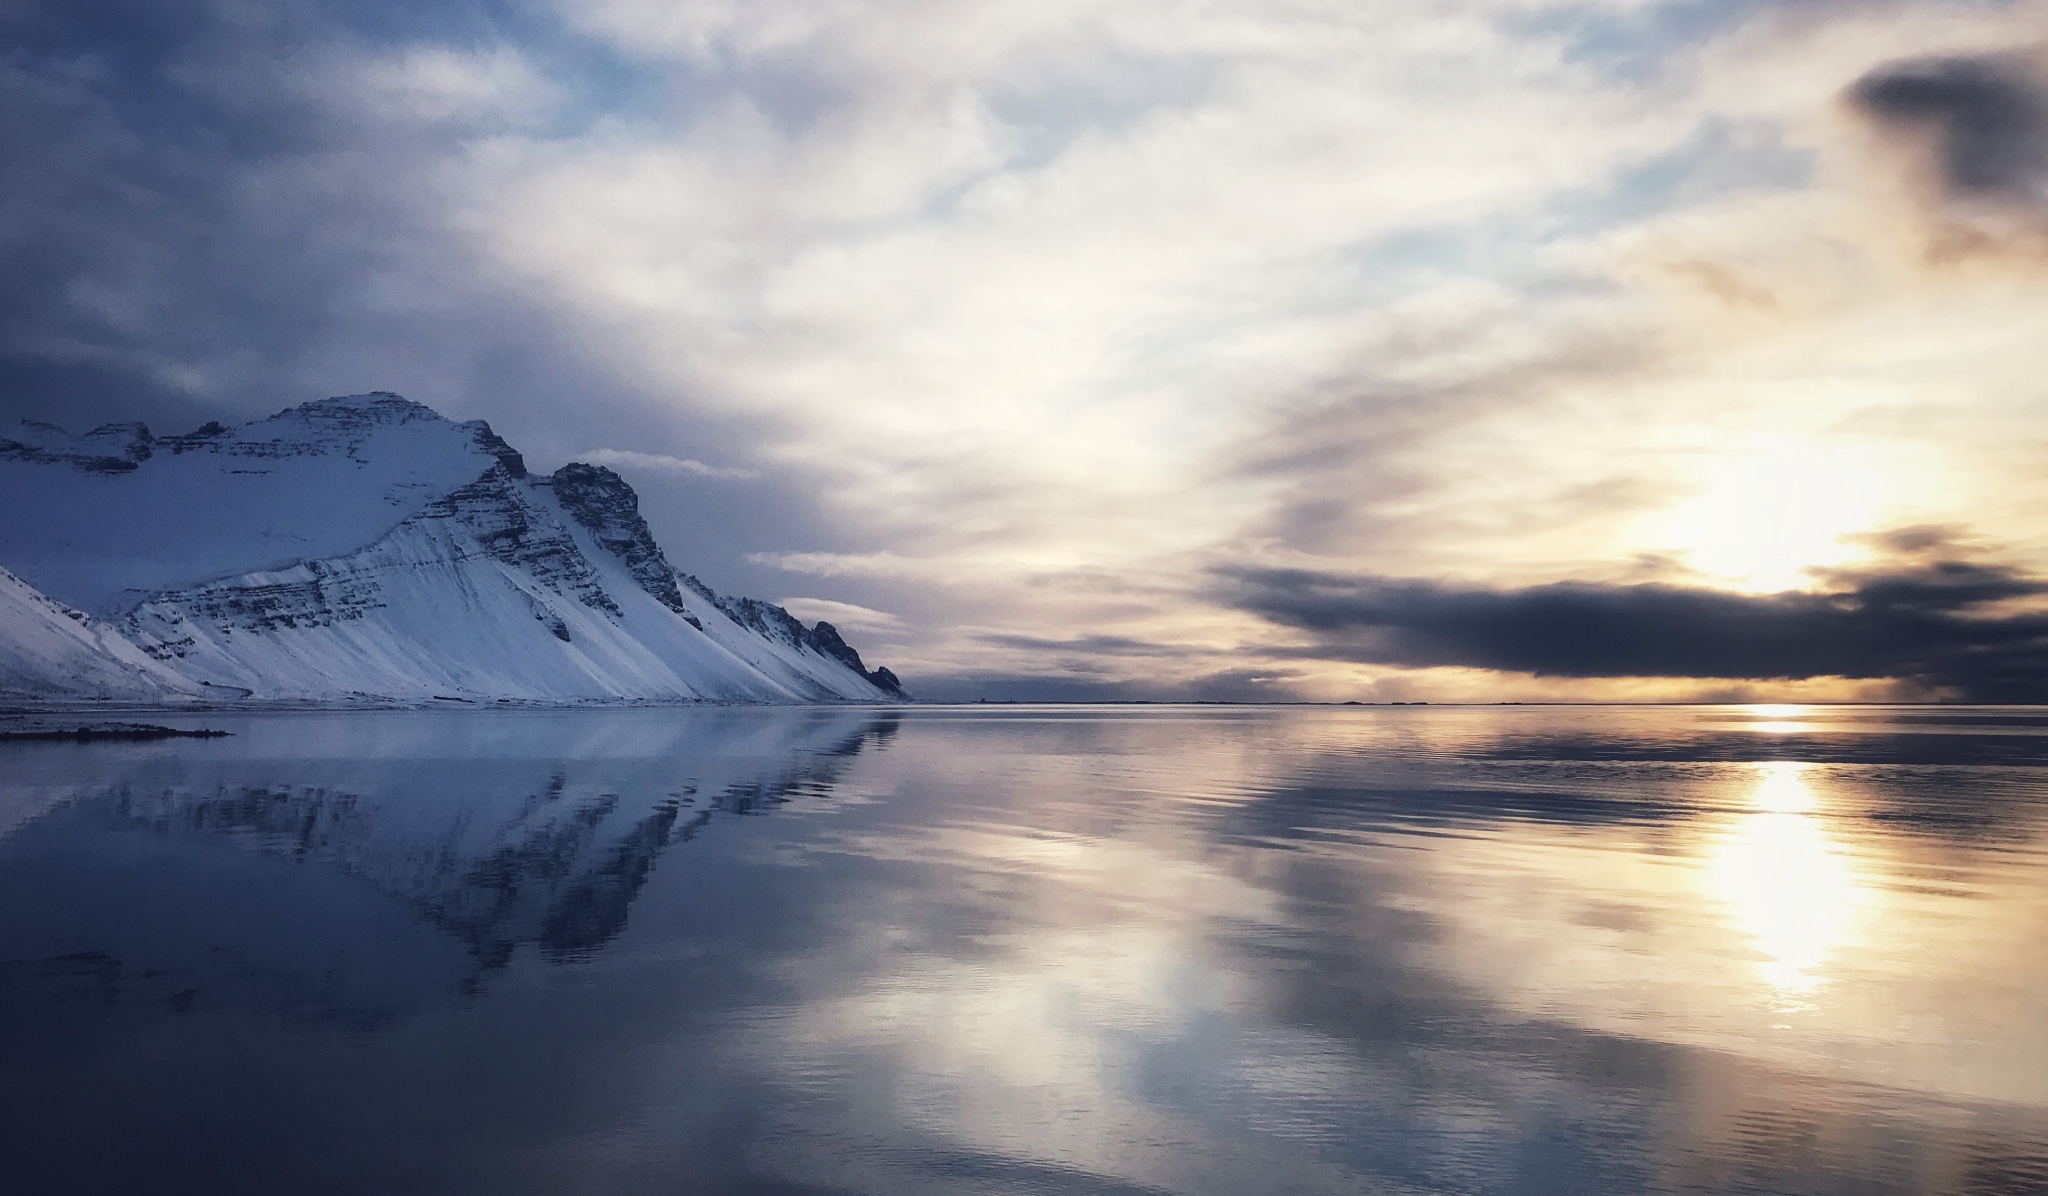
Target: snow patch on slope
{"x":314,"y":481}
{"x":48,"y":650}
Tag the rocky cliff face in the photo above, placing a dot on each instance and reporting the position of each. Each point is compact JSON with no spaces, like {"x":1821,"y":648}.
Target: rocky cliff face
{"x":368,"y":549}
{"x":777,"y":626}
{"x":506,"y":522}
{"x":606,"y":506}
{"x":825,"y":638}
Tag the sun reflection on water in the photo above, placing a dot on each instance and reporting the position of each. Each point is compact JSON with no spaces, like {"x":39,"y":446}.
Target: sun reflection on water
{"x":1788,"y":880}
{"x":1773,"y":719}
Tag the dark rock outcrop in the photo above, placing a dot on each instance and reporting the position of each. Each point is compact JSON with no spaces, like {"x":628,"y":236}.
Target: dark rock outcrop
{"x":773,"y":622}
{"x":826,"y":639}
{"x":495,"y":445}
{"x":94,"y":732}
{"x":514,"y":531}
{"x":604,"y":504}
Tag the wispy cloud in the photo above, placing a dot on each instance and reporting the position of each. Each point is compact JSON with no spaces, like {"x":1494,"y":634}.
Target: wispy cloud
{"x":664,"y":464}
{"x":443,"y":84}
{"x":846,"y":616}
{"x":846,"y":564}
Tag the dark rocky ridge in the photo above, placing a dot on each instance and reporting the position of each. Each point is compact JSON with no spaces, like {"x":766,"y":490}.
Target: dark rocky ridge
{"x":608,"y":507}
{"x":602,"y":502}
{"x":825,"y":638}
{"x":775,"y":623}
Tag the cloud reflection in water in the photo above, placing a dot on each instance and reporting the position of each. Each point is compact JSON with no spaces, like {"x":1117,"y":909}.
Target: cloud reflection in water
{"x":1519,"y":952}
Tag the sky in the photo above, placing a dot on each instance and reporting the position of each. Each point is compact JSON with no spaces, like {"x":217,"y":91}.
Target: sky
{"x":1496,"y":350}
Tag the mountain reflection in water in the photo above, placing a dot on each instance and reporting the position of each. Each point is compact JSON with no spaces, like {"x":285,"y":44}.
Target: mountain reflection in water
{"x":1038,"y":949}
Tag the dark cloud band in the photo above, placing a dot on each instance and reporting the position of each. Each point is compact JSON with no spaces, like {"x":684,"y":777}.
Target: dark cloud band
{"x":1945,"y":624}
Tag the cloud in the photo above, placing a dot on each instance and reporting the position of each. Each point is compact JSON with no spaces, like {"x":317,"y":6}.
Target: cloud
{"x":1090,"y":645}
{"x":233,"y":212}
{"x":664,"y":464}
{"x":1055,"y":681}
{"x":846,"y":616}
{"x":846,"y":564}
{"x":1981,"y":121}
{"x":438,"y":83}
{"x":1005,"y":298}
{"x":1949,"y":625}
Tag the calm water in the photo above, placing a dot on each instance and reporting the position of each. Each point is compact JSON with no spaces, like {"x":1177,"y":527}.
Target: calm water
{"x":1048,"y":950}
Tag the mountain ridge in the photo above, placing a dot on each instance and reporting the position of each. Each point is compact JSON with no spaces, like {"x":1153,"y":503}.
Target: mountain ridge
{"x":367,"y":549}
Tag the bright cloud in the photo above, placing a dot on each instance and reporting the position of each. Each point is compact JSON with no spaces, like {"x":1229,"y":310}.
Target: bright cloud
{"x":664,"y":463}
{"x":846,"y":616}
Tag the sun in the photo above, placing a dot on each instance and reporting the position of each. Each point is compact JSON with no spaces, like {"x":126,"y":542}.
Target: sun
{"x":1764,"y":517}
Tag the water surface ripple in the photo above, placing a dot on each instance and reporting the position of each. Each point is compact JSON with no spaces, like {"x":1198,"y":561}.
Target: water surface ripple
{"x":1510,"y":950}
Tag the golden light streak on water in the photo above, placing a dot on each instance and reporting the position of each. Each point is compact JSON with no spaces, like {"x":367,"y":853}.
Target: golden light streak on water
{"x":1788,"y":882}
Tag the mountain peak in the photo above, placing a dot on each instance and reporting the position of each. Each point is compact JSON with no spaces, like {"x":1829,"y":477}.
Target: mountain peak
{"x":380,"y":402}
{"x":355,"y":414}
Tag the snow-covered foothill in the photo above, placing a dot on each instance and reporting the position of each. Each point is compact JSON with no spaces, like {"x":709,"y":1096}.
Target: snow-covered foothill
{"x":49,"y":651}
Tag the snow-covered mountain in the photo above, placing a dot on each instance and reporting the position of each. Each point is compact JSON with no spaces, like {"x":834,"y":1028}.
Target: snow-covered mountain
{"x":366,"y":549}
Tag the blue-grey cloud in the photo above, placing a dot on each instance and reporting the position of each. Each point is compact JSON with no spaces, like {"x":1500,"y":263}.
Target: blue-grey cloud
{"x":1984,"y":120}
{"x":1934,"y":619}
{"x":213,"y":211}
{"x":185,"y":212}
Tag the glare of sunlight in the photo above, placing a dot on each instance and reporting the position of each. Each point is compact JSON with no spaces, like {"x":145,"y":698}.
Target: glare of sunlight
{"x":1788,"y":882}
{"x":1777,"y":720}
{"x":1782,"y":789}
{"x":1764,"y":517}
